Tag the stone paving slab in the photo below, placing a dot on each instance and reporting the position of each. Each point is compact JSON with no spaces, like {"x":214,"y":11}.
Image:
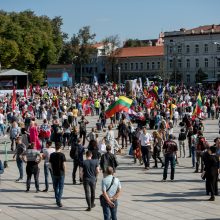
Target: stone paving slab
{"x":144,"y":196}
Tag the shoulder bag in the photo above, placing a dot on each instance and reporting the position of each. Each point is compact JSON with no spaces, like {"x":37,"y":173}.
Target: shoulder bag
{"x":101,"y":197}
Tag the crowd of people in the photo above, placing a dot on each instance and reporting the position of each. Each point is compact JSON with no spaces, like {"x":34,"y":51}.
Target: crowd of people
{"x":47,"y":121}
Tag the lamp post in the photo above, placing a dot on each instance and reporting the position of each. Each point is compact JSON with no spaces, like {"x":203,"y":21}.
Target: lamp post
{"x":119,"y":77}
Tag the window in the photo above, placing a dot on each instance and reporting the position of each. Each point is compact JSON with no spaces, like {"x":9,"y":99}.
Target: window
{"x":171,"y":49}
{"x":179,"y":49}
{"x":126,"y":66}
{"x":153,"y":66}
{"x":132,"y":66}
{"x":141,"y":66}
{"x":136,"y":66}
{"x":158,"y":65}
{"x":188,"y":63}
{"x":121,"y":66}
{"x":179,"y":63}
{"x":148,"y":65}
{"x":187,"y":49}
{"x":197,"y":63}
{"x":218,"y":48}
{"x":171,"y":63}
{"x":196,"y":48}
{"x":206,"y":62}
{"x":188,"y":78}
{"x":218,"y":62}
{"x":206,"y":48}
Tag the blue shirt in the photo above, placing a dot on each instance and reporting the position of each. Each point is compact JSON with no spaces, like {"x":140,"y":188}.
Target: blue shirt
{"x":106,"y":182}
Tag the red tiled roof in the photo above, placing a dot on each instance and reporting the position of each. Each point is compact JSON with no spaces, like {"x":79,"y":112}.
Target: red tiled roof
{"x":140,"y":51}
{"x":206,"y":28}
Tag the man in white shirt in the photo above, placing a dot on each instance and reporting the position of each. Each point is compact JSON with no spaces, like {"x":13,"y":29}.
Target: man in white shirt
{"x":145,"y":140}
{"x":47,"y":169}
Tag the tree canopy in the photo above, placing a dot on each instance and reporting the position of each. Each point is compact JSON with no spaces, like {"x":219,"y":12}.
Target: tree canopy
{"x":29,"y":42}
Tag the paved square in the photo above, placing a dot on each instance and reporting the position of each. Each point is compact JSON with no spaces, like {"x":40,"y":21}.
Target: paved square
{"x":144,"y":196}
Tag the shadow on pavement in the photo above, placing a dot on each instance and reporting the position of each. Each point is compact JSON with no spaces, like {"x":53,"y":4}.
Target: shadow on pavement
{"x":41,"y":206}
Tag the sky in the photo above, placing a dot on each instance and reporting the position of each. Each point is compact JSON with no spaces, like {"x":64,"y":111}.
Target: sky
{"x":142,"y":19}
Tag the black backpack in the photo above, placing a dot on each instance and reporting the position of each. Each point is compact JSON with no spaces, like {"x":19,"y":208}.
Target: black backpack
{"x":74,"y":152}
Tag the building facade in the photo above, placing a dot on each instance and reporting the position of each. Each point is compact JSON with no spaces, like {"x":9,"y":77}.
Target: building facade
{"x":187,"y":52}
{"x":96,"y":68}
{"x":135,"y":62}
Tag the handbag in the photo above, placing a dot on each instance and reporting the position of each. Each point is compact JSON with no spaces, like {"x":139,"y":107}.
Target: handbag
{"x":101,"y":197}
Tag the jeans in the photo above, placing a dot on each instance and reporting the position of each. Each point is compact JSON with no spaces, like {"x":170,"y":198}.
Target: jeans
{"x":97,"y":111}
{"x":89,"y":187}
{"x":58,"y":184}
{"x":124,"y":141}
{"x":75,"y":166}
{"x":199,"y":161}
{"x":47,"y":170}
{"x":145,"y":150}
{"x":171,"y":159}
{"x":44,"y":141}
{"x":2,"y":129}
{"x":33,"y":169}
{"x":193,"y":154}
{"x":20,"y":167}
{"x":108,"y":212}
{"x":82,"y":134}
{"x":66,"y":138}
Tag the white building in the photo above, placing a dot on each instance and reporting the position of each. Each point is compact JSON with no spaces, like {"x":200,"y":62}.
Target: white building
{"x":187,"y":51}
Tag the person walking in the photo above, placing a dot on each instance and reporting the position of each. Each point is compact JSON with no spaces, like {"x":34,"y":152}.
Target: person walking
{"x":47,"y":169}
{"x":111,"y":190}
{"x":108,"y":159}
{"x":89,"y":173}
{"x":170,"y":152}
{"x":145,"y":139}
{"x":58,"y":165}
{"x":76,"y":153}
{"x":82,"y":129}
{"x":181,"y":139}
{"x":211,"y":172}
{"x":158,"y":143}
{"x":20,"y":149}
{"x":32,"y":158}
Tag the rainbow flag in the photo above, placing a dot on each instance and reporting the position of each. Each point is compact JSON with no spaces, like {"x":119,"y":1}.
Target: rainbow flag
{"x":122,"y":104}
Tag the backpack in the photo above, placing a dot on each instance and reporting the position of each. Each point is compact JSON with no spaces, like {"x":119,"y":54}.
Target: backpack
{"x":1,"y":167}
{"x":74,"y":152}
{"x":182,"y":136}
{"x":202,"y":144}
{"x":59,"y":130}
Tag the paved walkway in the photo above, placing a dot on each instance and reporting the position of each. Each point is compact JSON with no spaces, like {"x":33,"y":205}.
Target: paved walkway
{"x":144,"y":196}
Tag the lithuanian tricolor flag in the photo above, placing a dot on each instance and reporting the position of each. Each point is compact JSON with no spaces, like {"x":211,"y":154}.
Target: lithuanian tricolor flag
{"x":122,"y":104}
{"x":198,"y":108}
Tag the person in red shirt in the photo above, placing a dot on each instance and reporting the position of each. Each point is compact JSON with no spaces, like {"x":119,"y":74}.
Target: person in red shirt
{"x":170,"y":152}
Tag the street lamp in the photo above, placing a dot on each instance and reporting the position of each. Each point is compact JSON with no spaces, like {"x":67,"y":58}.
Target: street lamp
{"x":119,"y":77}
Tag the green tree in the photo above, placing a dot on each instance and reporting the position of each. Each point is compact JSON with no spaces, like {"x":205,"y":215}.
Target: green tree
{"x":135,"y":43}
{"x":200,"y":76}
{"x":111,"y":47}
{"x":82,"y":47}
{"x":29,"y":42}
